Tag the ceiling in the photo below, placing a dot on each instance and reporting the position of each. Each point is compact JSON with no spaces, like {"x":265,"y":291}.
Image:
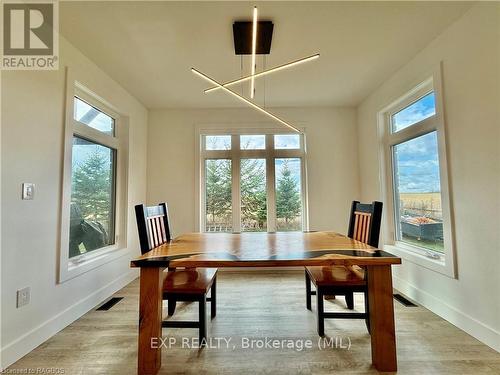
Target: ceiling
{"x":149,"y":47}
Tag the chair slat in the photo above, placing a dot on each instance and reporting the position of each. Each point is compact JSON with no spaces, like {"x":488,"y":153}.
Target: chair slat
{"x":365,"y":228}
{"x":158,"y":230}
{"x":362,"y":228}
{"x":368,"y":226}
{"x":153,"y":232}
{"x":150,"y":233}
{"x":356,"y":227}
{"x":163,"y":232}
{"x":155,"y":227}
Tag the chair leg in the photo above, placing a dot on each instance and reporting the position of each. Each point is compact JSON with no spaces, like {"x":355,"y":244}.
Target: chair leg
{"x":213,"y":299}
{"x":349,"y":300}
{"x":319,"y":307}
{"x":203,"y":320}
{"x":367,"y":312}
{"x":308,"y":291}
{"x":171,"y":302}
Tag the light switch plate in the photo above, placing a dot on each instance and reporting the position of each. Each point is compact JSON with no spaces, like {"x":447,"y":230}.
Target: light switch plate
{"x":28,"y":191}
{"x":23,"y":296}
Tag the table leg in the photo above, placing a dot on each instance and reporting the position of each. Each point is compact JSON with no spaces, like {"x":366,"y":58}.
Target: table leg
{"x":380,"y":300}
{"x":150,"y":317}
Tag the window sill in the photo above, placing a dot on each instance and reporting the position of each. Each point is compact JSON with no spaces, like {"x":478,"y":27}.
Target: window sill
{"x":419,"y":256}
{"x":87,"y":262}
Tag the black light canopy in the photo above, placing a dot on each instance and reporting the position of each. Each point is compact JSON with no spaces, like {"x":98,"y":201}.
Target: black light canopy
{"x":242,"y":33}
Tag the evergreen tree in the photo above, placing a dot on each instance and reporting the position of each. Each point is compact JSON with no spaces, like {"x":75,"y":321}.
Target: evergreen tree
{"x":253,"y":192}
{"x":92,"y":187}
{"x":287,"y":195}
{"x":218,"y":189}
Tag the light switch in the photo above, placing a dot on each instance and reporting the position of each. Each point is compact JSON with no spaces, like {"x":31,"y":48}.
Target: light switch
{"x":23,"y":297}
{"x":28,"y":191}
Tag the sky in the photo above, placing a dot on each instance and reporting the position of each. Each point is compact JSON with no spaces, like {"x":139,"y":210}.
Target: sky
{"x":423,"y":108}
{"x":416,"y":160}
{"x":253,"y":142}
{"x":93,"y":117}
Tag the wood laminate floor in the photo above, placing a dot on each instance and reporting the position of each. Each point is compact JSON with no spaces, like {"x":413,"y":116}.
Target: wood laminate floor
{"x":260,"y":305}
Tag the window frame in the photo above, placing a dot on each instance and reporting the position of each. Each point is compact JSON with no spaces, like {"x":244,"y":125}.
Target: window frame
{"x":235,"y":155}
{"x":444,"y":263}
{"x":72,"y":267}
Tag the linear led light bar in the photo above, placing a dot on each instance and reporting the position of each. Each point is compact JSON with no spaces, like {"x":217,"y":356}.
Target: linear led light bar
{"x":265,"y":72}
{"x":243,"y":99}
{"x":254,"y":48}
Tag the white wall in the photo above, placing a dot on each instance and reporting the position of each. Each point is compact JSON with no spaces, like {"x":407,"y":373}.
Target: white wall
{"x":331,"y":161}
{"x":470,"y":51}
{"x":32,"y":147}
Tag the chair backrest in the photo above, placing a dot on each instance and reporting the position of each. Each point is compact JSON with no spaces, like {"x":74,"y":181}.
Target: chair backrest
{"x":153,"y":225}
{"x":364,"y":223}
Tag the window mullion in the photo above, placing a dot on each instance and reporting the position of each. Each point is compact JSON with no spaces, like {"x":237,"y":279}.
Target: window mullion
{"x":425,"y":126}
{"x":270,"y":184}
{"x":236,"y":191}
{"x":84,"y":131}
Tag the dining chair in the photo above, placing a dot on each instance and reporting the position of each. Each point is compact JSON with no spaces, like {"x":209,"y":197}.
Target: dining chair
{"x":364,"y":226}
{"x":179,"y":285}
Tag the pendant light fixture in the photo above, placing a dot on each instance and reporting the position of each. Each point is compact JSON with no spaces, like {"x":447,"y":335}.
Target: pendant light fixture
{"x":254,"y":50}
{"x":263,"y":46}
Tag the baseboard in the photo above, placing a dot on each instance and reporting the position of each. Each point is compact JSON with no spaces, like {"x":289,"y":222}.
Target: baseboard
{"x":473,"y":327}
{"x":18,"y":348}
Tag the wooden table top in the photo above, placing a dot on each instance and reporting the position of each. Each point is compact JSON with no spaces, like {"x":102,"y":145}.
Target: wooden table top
{"x":282,"y":249}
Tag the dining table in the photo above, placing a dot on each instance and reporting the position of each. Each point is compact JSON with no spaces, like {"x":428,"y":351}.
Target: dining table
{"x":262,"y":249}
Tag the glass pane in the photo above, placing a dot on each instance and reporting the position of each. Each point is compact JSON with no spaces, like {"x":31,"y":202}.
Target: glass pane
{"x":253,"y":195}
{"x":92,"y":224}
{"x":218,"y":207}
{"x":253,"y":142}
{"x":420,"y":110}
{"x":287,"y":141}
{"x":418,"y":192}
{"x":288,"y":194}
{"x":88,"y":115}
{"x":218,"y":142}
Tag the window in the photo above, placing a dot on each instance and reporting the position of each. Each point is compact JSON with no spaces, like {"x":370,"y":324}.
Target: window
{"x":218,"y":142}
{"x":253,"y":195}
{"x":253,"y":142}
{"x":92,"y":197}
{"x":219,"y":216}
{"x":288,"y":205}
{"x":93,"y":117}
{"x":286,"y":141}
{"x":417,"y":192}
{"x":420,"y":227}
{"x":252,"y":183}
{"x":423,"y":108}
{"x":93,"y":187}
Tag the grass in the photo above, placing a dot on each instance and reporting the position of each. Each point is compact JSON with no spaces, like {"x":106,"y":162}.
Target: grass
{"x":430,"y":245}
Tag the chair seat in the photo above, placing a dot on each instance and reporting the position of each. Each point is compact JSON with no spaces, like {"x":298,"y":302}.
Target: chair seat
{"x":195,"y":281}
{"x":336,"y":275}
